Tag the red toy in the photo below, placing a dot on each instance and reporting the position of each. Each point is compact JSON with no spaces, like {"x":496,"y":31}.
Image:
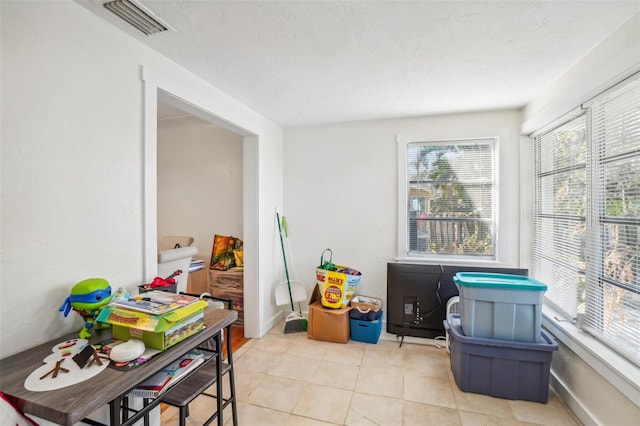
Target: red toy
{"x":159,"y":282}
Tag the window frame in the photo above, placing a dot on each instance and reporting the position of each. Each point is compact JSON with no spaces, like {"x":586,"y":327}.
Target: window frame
{"x":403,"y":141}
{"x":594,"y":217}
{"x":556,"y":217}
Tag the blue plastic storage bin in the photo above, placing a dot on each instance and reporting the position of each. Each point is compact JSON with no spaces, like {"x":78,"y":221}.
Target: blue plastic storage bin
{"x":500,"y":306}
{"x":366,"y":331}
{"x":506,"y":369}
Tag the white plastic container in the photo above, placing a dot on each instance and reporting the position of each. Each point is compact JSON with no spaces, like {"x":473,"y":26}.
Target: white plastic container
{"x":500,"y":306}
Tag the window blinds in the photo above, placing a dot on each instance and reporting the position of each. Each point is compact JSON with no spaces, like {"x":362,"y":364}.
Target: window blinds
{"x":559,"y":219}
{"x":586,"y":236}
{"x":613,"y":249}
{"x":451,"y":197}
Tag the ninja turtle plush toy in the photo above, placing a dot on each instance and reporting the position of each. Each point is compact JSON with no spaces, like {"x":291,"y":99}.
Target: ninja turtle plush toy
{"x":87,"y":298}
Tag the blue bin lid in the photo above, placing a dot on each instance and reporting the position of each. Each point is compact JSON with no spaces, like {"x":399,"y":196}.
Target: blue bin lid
{"x":503,"y":281}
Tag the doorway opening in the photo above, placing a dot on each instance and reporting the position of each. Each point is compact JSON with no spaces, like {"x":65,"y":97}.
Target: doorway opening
{"x":199,"y":184}
{"x":175,"y":97}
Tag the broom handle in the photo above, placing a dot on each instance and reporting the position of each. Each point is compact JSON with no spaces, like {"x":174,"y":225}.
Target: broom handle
{"x":284,"y":257}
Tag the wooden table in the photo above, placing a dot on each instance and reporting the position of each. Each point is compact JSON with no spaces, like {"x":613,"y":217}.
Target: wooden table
{"x":71,"y":404}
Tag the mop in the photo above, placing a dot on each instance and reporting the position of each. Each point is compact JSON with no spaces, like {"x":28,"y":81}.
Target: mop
{"x":295,"y":322}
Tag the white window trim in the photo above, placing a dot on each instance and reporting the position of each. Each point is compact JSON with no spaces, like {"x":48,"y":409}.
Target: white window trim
{"x":616,"y":369}
{"x":403,"y":140}
{"x":621,"y":373}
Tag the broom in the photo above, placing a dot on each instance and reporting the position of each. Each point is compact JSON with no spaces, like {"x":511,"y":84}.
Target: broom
{"x":295,"y":322}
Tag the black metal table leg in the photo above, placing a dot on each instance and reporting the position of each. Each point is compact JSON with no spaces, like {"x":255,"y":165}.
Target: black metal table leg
{"x":219,"y":399}
{"x":114,"y":412}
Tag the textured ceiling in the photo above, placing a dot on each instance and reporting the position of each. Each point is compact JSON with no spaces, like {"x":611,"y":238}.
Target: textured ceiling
{"x":313,"y":62}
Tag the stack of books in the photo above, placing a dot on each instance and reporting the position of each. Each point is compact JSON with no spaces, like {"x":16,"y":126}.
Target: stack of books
{"x":196,"y":265}
{"x":171,"y":374}
{"x":155,"y":302}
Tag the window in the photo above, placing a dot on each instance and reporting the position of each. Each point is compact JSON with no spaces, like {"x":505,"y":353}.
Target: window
{"x":559,"y":217}
{"x":450,"y":198}
{"x":587,"y":217}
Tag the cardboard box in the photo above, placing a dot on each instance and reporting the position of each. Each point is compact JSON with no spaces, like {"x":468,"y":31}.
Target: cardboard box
{"x":156,"y":331}
{"x":327,"y":324}
{"x":198,"y":282}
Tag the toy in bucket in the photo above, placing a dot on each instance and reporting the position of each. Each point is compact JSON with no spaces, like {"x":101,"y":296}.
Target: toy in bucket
{"x":337,"y":283}
{"x":164,"y":284}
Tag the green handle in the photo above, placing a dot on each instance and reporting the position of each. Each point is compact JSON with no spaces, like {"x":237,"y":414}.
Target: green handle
{"x":284,"y":257}
{"x":329,"y":264}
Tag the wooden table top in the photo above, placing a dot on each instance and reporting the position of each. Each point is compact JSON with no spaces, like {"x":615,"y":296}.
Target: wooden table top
{"x":71,"y":404}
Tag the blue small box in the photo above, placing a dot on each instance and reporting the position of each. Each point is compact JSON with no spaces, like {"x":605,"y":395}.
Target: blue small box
{"x":366,"y":331}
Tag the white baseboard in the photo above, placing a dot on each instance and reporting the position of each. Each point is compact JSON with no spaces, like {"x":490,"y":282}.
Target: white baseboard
{"x":579,"y":410}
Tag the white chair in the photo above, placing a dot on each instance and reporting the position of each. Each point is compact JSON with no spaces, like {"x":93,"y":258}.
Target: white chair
{"x":174,"y":241}
{"x":171,"y":259}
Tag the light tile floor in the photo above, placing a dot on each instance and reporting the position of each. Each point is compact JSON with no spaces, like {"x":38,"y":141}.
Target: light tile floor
{"x":289,"y":380}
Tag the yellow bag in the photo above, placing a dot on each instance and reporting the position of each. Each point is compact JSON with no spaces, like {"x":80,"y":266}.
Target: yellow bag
{"x":337,"y":283}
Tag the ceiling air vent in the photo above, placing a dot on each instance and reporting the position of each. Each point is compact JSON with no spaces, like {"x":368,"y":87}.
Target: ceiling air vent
{"x":137,"y":15}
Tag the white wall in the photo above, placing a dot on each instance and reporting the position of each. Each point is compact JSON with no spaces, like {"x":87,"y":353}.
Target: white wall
{"x":615,"y":58}
{"x":72,"y":166}
{"x":199,"y":182}
{"x":341,"y":185}
{"x":600,"y":387}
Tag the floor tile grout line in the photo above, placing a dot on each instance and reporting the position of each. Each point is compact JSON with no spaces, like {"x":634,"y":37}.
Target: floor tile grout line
{"x":409,"y":357}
